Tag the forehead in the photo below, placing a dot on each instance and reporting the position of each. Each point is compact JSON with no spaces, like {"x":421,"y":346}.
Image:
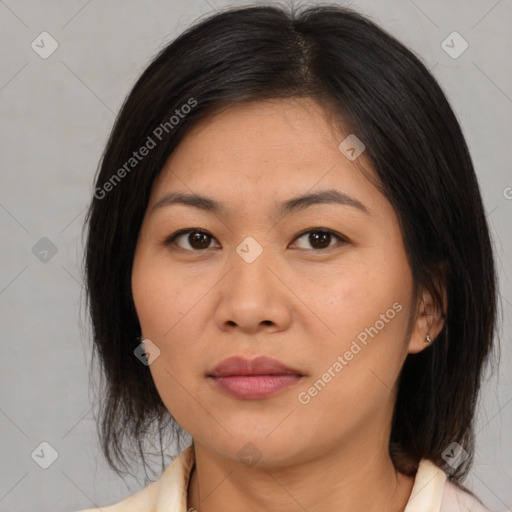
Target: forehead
{"x":291,"y":130}
{"x":267,"y":149}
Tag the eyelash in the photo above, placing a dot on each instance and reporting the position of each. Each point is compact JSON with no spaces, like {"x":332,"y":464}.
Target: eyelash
{"x":170,"y":240}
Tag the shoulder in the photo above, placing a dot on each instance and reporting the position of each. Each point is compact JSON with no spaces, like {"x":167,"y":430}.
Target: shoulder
{"x":169,"y":492}
{"x":433,"y":492}
{"x":142,"y":501}
{"x":456,"y":500}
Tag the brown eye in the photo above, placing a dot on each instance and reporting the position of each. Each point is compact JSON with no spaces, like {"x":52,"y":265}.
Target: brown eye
{"x":196,"y":239}
{"x":319,"y":239}
{"x":199,"y":240}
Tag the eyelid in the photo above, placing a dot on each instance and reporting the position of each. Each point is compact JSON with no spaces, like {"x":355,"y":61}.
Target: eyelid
{"x":171,"y":238}
{"x":341,"y":238}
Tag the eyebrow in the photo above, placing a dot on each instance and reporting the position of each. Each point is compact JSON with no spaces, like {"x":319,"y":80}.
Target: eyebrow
{"x":330,"y":196}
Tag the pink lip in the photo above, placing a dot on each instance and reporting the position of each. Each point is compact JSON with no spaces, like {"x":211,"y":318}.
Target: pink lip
{"x":252,"y":379}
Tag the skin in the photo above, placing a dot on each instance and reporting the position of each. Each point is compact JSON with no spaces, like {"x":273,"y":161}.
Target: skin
{"x":297,"y":302}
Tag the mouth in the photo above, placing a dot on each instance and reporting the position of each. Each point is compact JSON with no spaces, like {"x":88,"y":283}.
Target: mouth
{"x":253,"y":379}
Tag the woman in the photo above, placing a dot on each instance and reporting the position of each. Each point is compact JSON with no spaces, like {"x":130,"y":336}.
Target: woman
{"x":287,"y":217}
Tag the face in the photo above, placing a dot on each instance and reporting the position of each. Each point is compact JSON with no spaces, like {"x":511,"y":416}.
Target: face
{"x":321,"y":285}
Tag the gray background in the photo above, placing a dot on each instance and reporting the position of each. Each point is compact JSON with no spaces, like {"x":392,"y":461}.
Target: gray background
{"x":56,"y":114}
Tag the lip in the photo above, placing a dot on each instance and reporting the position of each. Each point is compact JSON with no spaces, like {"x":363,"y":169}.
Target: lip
{"x":252,"y":379}
{"x":261,"y":365}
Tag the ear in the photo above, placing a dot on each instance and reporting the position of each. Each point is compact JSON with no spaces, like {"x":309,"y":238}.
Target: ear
{"x":429,"y":319}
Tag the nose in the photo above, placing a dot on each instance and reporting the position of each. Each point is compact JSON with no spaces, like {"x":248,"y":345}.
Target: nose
{"x":253,"y":296}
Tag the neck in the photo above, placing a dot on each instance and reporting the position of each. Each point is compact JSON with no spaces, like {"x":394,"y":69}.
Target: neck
{"x":352,"y":480}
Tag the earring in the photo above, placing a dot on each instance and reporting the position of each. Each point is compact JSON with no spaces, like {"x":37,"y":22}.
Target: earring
{"x":428,"y":339}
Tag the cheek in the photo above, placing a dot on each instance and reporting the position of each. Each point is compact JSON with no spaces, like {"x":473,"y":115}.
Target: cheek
{"x":162,"y":298}
{"x":172,"y":312}
{"x":366,"y":305}
{"x":354,"y":296}
{"x":168,"y":310}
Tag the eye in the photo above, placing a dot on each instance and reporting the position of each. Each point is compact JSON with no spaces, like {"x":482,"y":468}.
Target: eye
{"x":197,"y":239}
{"x":320,"y":238}
{"x":200,"y":240}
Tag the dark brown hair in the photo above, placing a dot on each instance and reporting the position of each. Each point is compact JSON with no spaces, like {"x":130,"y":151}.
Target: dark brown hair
{"x":389,"y":99}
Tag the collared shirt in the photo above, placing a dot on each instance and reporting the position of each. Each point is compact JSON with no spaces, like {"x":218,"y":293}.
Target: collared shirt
{"x":431,"y":492}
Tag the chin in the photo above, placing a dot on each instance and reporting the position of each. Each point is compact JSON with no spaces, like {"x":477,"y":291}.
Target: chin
{"x":261,"y":450}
